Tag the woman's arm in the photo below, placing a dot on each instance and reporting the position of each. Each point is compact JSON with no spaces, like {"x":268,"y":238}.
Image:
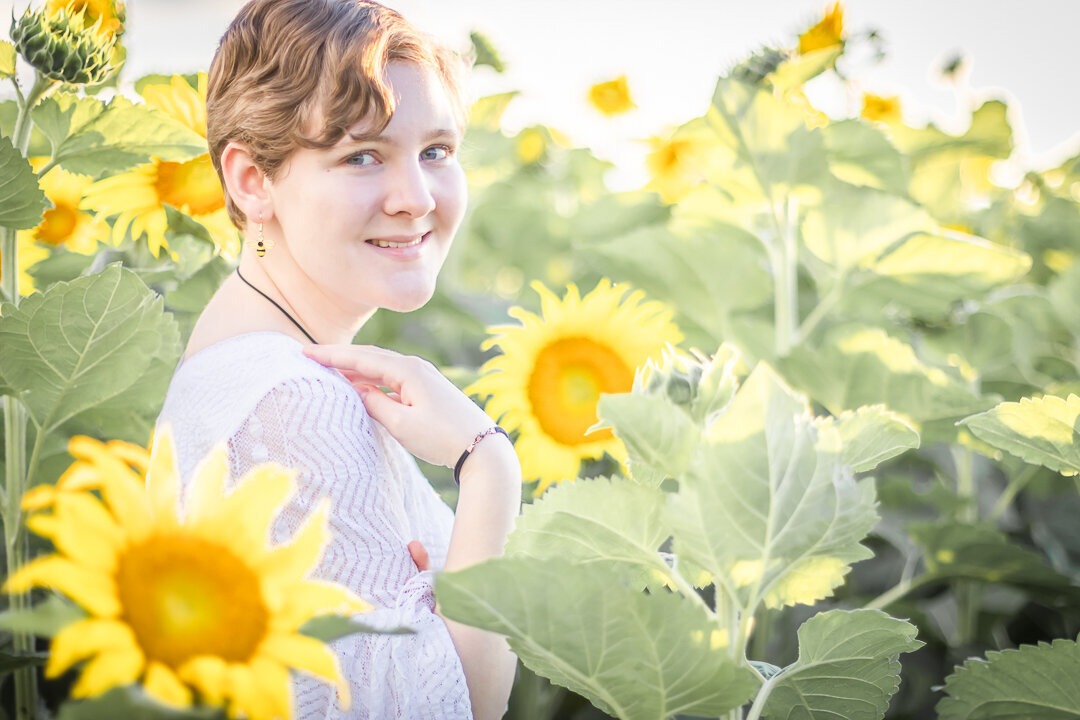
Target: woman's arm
{"x":435,"y":421}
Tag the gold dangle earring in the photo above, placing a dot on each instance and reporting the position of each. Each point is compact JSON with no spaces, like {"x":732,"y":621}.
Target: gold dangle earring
{"x":260,"y":244}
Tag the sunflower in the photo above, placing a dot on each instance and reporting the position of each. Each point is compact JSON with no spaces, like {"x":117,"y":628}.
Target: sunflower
{"x":138,"y":197}
{"x":612,"y":97}
{"x":188,"y":605}
{"x":678,"y":163}
{"x":827,"y":33}
{"x":554,"y":368}
{"x":65,"y":224}
{"x":881,"y":109}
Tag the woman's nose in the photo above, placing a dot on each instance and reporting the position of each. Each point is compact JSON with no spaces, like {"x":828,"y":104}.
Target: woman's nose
{"x":409,"y":191}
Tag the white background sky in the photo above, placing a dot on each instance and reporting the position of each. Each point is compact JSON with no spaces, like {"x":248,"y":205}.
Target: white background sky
{"x":673,"y":50}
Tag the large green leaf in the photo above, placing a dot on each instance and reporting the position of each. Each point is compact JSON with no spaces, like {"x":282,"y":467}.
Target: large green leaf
{"x":869,"y":436}
{"x":90,"y":137}
{"x":847,"y":667}
{"x":81,"y":343}
{"x":1043,"y":431}
{"x":982,"y":553}
{"x":856,"y":366}
{"x":327,"y":628}
{"x":21,"y":200}
{"x":857,"y":225}
{"x":659,"y":437}
{"x":1033,"y":682}
{"x":860,"y":154}
{"x":767,"y":148}
{"x":604,"y":523}
{"x":634,"y":655}
{"x":704,"y":273}
{"x":775,"y":517}
{"x":929,"y":272}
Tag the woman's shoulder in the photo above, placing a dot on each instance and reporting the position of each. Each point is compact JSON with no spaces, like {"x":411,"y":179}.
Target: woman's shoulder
{"x":222,"y":384}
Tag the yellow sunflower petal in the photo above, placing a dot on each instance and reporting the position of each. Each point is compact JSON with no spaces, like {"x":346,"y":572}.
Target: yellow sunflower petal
{"x":254,"y":503}
{"x":299,"y":602}
{"x":309,"y":655}
{"x":162,"y":485}
{"x":246,"y":694}
{"x":208,"y":486}
{"x":86,"y":638}
{"x":108,"y":670}
{"x":40,"y":498}
{"x":92,"y":589}
{"x":162,"y":684}
{"x":300,"y":556}
{"x":85,"y":531}
{"x":132,"y":454}
{"x":122,"y":489}
{"x":274,"y":684}
{"x":209,"y":675}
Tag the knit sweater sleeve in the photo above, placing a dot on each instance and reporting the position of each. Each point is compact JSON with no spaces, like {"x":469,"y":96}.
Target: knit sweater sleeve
{"x":321,"y":429}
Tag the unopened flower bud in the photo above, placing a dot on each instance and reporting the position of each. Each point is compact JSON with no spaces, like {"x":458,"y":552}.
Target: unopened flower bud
{"x":62,"y":47}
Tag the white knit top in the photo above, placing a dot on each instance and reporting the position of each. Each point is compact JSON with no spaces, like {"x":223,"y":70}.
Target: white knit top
{"x":259,"y":395}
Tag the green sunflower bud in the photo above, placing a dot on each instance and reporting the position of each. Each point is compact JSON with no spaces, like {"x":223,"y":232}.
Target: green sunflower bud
{"x":62,"y":47}
{"x":702,"y":386}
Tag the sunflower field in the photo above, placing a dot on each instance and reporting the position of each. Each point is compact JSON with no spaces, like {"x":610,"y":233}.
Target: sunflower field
{"x":798,"y":419}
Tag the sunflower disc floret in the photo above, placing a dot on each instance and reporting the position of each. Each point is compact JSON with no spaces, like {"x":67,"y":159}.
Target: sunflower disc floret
{"x":195,"y":605}
{"x":61,"y":46}
{"x":554,"y":367}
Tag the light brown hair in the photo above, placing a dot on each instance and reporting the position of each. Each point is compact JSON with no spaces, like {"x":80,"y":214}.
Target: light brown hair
{"x":299,"y":73}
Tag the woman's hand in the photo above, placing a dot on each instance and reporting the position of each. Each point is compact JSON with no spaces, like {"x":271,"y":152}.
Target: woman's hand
{"x":424,"y":411}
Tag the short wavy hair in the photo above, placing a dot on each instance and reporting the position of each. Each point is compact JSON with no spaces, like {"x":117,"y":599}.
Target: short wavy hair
{"x":292,"y":74}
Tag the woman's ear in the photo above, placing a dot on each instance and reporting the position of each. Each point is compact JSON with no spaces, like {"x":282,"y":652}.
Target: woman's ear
{"x":248,"y":186}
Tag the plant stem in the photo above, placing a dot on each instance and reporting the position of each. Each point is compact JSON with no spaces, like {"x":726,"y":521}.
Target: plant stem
{"x":15,"y":419}
{"x":894,"y":593}
{"x":1016,"y":484}
{"x":966,"y":592}
{"x":760,"y":699}
{"x":785,"y":261}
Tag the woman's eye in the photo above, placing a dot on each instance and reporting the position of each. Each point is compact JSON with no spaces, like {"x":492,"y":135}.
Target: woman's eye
{"x":360,"y":159}
{"x":436,"y":153}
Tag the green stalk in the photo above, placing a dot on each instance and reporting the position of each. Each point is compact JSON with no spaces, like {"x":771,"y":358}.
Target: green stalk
{"x":784,"y":257}
{"x":967,"y":592}
{"x":15,"y":419}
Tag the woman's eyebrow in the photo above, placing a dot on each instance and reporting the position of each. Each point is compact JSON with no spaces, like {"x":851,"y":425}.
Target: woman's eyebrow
{"x":384,"y":139}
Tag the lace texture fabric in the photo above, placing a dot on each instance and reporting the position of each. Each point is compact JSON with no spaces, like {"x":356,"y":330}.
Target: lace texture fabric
{"x":259,"y":395}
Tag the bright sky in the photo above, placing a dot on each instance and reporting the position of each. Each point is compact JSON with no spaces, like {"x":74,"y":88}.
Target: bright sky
{"x":672,"y":52}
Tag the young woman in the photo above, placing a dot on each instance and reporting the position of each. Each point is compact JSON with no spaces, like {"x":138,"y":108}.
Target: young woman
{"x":334,"y":126}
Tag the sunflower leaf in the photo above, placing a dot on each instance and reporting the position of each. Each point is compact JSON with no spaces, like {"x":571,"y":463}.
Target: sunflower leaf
{"x":774,"y":516}
{"x":21,"y":200}
{"x":81,"y":344}
{"x":90,"y":137}
{"x":327,"y":628}
{"x":132,"y":703}
{"x":1033,"y":681}
{"x":45,"y":619}
{"x":585,"y":630}
{"x":7,"y":59}
{"x":1042,"y":431}
{"x":847,"y":667}
{"x":856,"y":366}
{"x":659,"y":437}
{"x":869,"y":436}
{"x":602,"y":522}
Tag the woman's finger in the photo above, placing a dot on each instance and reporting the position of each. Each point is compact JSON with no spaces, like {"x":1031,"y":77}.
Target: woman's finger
{"x":377,"y":366}
{"x":419,"y":555}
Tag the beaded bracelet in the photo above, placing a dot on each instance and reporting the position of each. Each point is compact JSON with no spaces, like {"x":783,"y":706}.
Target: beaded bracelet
{"x":472,"y":446}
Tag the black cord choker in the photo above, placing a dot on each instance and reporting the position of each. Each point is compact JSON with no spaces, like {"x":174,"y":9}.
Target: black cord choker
{"x":274,"y":303}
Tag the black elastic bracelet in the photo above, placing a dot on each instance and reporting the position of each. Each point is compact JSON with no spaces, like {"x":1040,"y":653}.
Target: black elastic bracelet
{"x":472,"y":446}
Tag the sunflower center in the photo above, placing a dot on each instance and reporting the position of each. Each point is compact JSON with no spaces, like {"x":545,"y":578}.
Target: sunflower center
{"x":567,"y":380}
{"x":184,"y":597}
{"x":58,"y":224}
{"x":192,"y":186}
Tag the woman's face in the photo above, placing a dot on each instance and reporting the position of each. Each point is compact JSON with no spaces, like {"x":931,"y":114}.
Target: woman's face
{"x":370,"y":220}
